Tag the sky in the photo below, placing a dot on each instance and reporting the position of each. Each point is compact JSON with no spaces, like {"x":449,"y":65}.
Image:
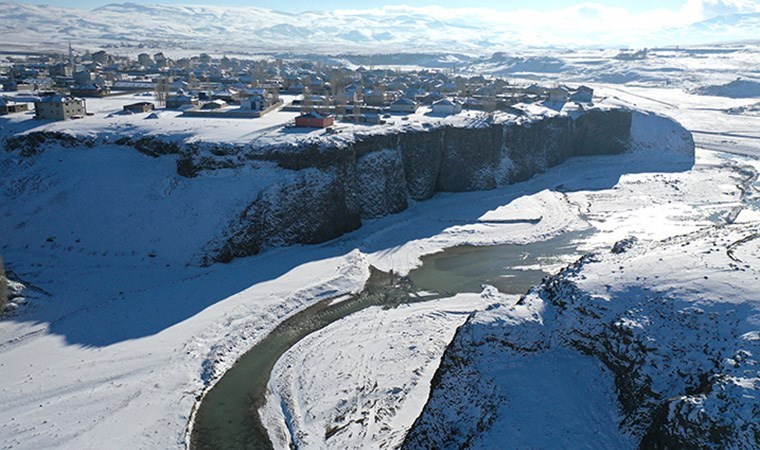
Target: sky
{"x":540,"y":22}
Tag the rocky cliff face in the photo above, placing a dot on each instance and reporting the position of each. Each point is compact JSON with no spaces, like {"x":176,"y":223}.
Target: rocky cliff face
{"x":672,"y":326}
{"x":326,"y":186}
{"x":376,"y":175}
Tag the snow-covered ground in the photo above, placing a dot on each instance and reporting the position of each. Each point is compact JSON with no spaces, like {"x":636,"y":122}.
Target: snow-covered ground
{"x":650,"y":205}
{"x":717,"y":123}
{"x":653,"y":344}
{"x":126,"y":334}
{"x":107,"y":123}
{"x":369,"y":389}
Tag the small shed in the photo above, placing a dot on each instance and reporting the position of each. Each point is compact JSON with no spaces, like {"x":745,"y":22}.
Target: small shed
{"x":9,"y":107}
{"x":140,"y":107}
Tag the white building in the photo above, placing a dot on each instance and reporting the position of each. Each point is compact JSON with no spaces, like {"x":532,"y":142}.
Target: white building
{"x":404,"y":105}
{"x":59,"y":107}
{"x":254,"y":103}
{"x":447,"y":107}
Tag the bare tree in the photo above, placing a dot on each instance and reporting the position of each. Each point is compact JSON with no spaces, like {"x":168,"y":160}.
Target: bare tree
{"x":340,"y":106}
{"x":327,"y":105}
{"x":357,"y":110}
{"x":161,"y":90}
{"x":3,"y":288}
{"x":338,"y":80}
{"x":274,"y":93}
{"x":306,"y":103}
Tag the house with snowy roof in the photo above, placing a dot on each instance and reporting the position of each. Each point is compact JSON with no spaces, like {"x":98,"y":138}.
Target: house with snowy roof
{"x":59,"y":107}
{"x":559,"y":94}
{"x":404,"y":105}
{"x":9,"y":107}
{"x":180,"y":100}
{"x":446,"y":107}
{"x":90,"y":90}
{"x":583,"y":94}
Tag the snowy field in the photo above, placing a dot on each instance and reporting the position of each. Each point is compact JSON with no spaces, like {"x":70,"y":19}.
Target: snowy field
{"x":120,"y":334}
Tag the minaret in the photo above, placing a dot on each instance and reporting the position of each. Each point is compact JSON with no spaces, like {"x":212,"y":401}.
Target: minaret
{"x":71,"y":59}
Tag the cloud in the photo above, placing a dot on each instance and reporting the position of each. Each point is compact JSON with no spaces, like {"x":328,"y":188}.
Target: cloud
{"x":707,"y":9}
{"x":589,"y":23}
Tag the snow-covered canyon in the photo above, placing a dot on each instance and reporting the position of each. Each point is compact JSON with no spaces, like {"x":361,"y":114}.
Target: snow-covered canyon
{"x":123,"y":327}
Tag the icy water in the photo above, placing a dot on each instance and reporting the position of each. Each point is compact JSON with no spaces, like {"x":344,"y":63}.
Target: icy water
{"x":512,"y":269}
{"x":227,"y":417}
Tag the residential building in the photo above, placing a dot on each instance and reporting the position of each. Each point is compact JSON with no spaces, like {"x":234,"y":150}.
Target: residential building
{"x":59,"y":107}
{"x":446,"y":107}
{"x":314,"y":120}
{"x":101,"y":57}
{"x":90,"y":90}
{"x":404,"y":105}
{"x":214,"y":104}
{"x":558,"y":94}
{"x":140,"y":107}
{"x":145,"y":60}
{"x":255,"y":103}
{"x":583,"y":94}
{"x":181,"y":100}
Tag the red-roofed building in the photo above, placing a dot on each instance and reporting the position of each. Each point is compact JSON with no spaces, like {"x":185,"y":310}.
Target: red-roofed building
{"x":314,"y":120}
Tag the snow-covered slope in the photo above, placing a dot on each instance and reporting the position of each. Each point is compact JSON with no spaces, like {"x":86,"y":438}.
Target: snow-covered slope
{"x":688,"y":67}
{"x":250,"y":29}
{"x":648,"y":344}
{"x":230,"y":29}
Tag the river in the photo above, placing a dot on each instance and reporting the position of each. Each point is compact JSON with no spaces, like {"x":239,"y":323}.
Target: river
{"x":228,"y":418}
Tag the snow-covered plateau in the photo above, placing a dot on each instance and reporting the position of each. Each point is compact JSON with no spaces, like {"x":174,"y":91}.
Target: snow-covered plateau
{"x":111,"y":225}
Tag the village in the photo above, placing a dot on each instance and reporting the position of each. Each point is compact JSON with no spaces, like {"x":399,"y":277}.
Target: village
{"x":302,"y":94}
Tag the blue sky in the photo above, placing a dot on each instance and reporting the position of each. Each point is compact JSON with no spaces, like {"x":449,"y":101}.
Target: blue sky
{"x":302,"y":5}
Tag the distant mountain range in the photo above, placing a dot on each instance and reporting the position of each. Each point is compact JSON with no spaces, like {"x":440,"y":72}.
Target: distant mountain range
{"x":131,"y":26}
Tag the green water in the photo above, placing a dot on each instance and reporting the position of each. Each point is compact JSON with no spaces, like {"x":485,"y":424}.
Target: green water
{"x":510,"y":268}
{"x":227,"y":417}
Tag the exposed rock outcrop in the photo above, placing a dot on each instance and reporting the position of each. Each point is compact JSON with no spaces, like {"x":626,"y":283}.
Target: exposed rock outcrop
{"x":672,"y":324}
{"x":333,"y":182}
{"x":314,"y":207}
{"x":378,"y":173}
